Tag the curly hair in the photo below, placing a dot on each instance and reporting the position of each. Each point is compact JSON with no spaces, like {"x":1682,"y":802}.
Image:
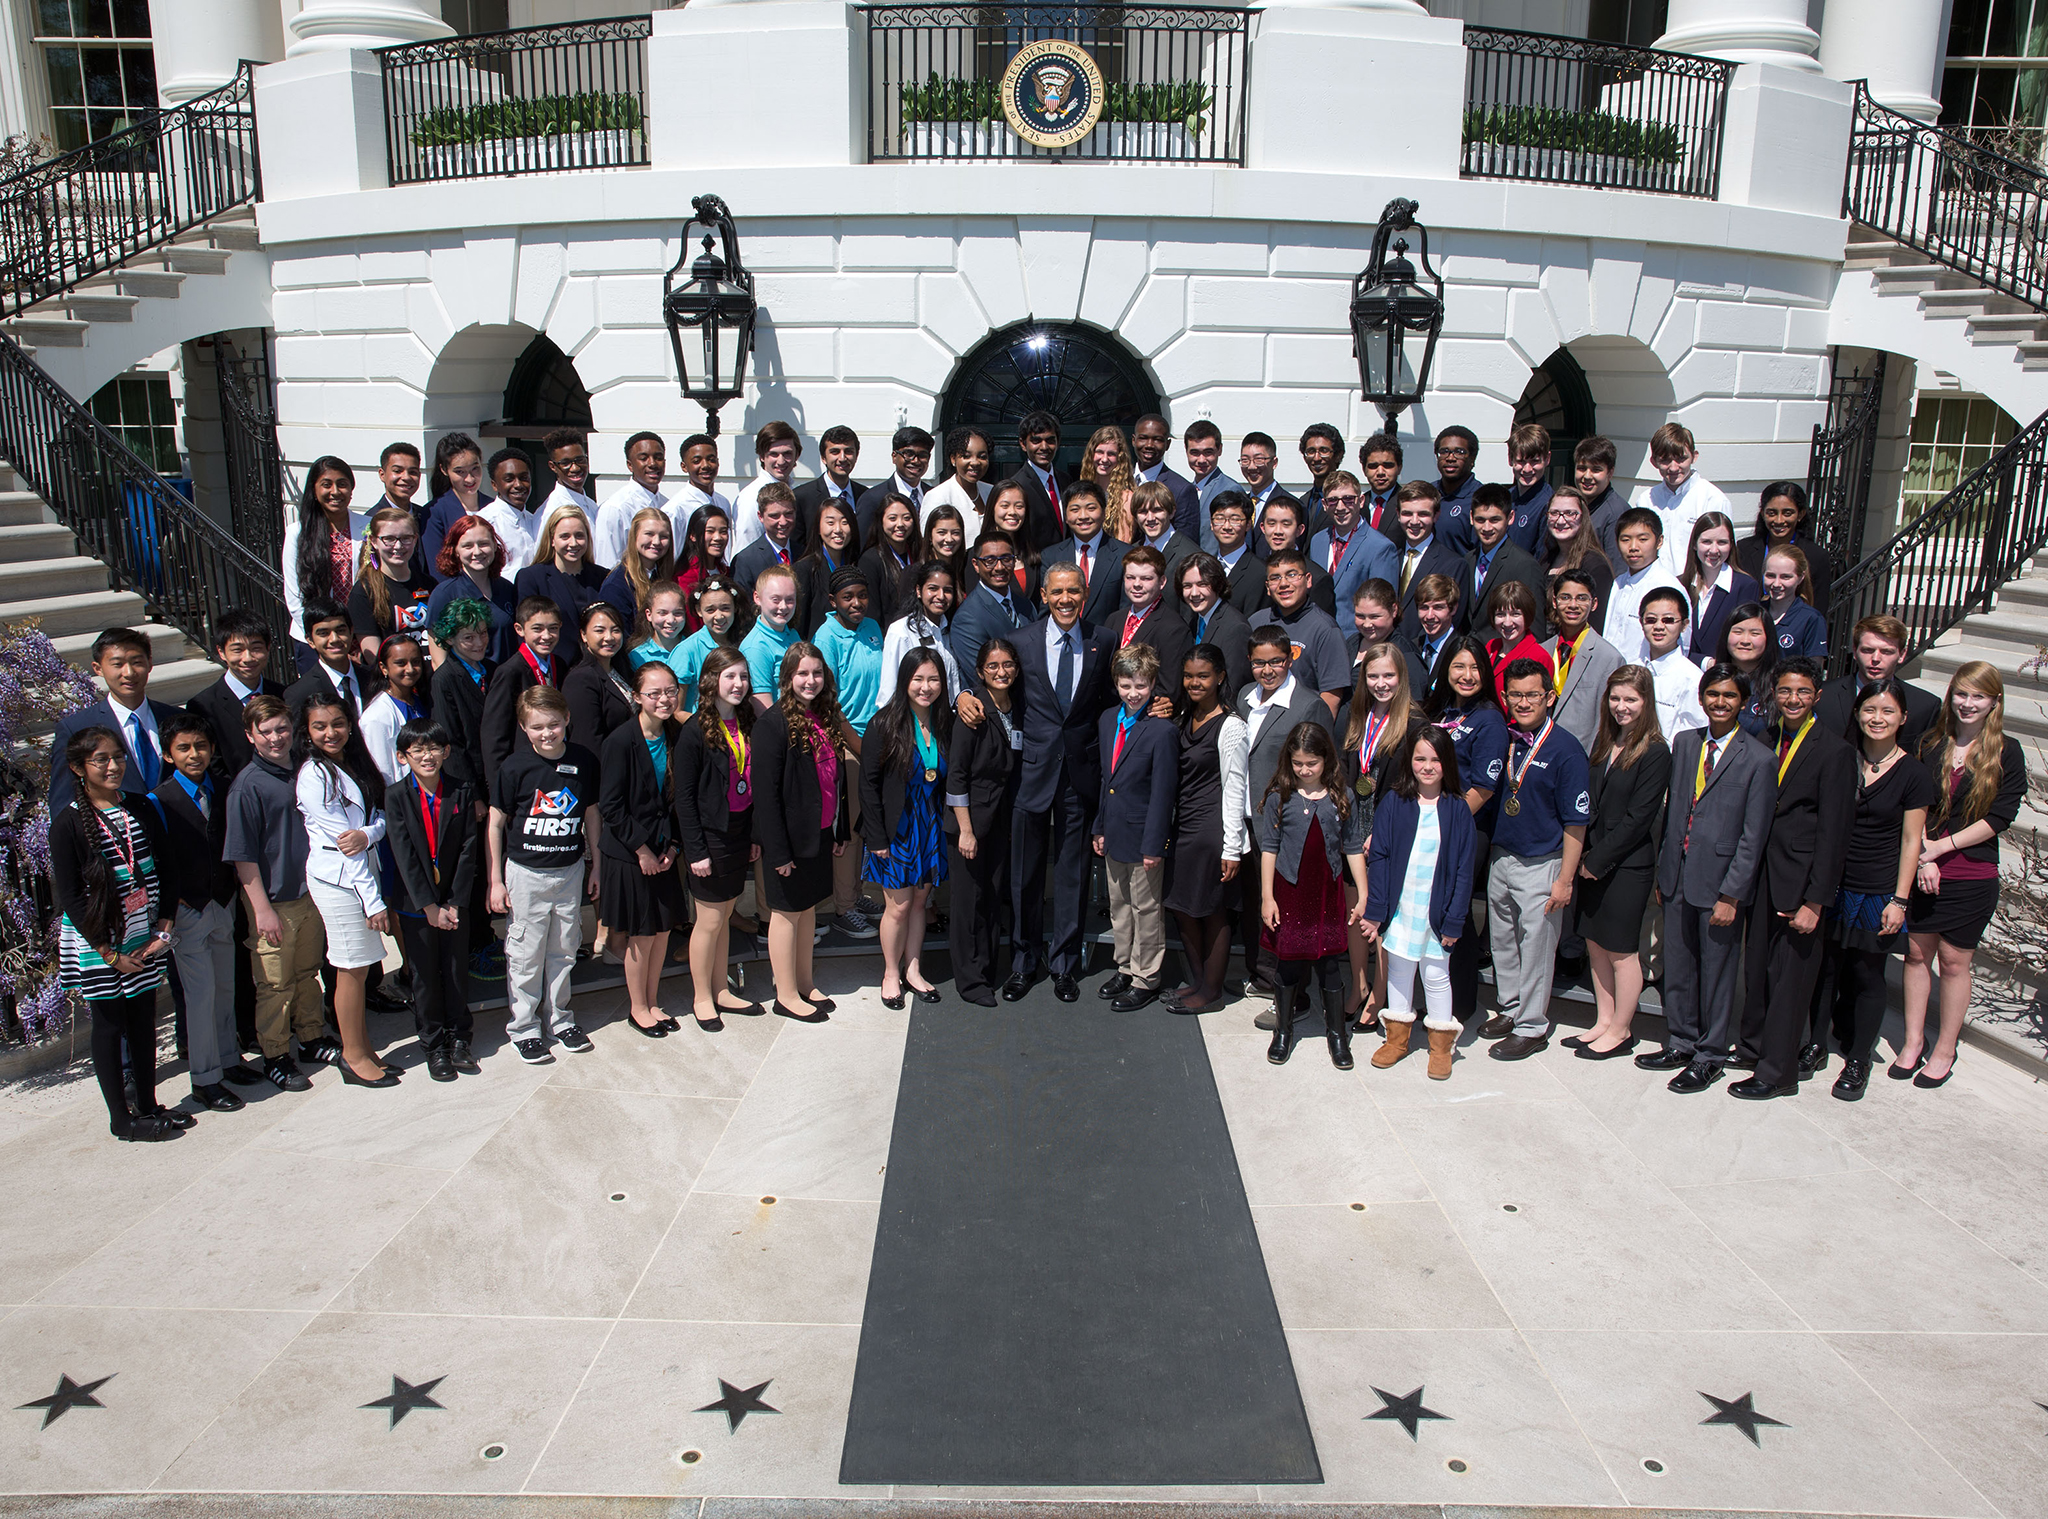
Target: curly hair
{"x":805,"y":719}
{"x":716,"y":663}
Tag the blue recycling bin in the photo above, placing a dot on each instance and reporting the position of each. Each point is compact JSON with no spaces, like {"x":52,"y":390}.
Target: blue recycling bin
{"x":145,"y":539}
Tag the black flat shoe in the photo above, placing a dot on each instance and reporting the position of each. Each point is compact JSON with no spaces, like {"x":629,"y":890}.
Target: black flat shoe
{"x":668,"y":1025}
{"x":350,"y":1078}
{"x":816,"y":1015}
{"x":744,"y":1010}
{"x":712,"y":1025}
{"x":1901,"y":1072}
{"x":1586,"y":1051}
{"x":1928,"y":1083}
{"x":822,"y":1004}
{"x":894,"y":1004}
{"x":646,"y":1030}
{"x":926,"y":994}
{"x":1572,"y":1041}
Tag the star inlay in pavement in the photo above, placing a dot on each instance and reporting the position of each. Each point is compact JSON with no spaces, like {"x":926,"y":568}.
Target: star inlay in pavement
{"x":737,"y":1402}
{"x":405,"y":1397}
{"x":1408,"y":1410}
{"x":69,"y":1395}
{"x":1741,"y":1413}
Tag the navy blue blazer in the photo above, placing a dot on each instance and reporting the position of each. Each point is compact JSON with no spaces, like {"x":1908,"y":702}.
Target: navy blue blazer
{"x":64,"y":785}
{"x":980,"y":617}
{"x":1061,"y":748}
{"x":1136,"y":806}
{"x":1394,"y":821}
{"x":1710,"y":616}
{"x":1371,"y":556}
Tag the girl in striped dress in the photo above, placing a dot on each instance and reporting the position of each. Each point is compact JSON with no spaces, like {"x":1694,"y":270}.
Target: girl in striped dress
{"x":115,"y":936}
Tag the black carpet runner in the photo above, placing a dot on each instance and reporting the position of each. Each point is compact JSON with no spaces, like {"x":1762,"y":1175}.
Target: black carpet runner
{"x":1067,"y":1289}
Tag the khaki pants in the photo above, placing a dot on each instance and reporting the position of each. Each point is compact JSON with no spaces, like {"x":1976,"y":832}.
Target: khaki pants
{"x":1137,"y":922}
{"x":288,"y":978}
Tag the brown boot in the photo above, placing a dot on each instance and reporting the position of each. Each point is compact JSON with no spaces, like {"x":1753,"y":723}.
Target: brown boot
{"x":1442,"y":1041}
{"x":1396,"y":1046}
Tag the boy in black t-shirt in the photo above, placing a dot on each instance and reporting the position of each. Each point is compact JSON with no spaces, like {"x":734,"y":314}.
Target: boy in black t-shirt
{"x":542,"y":850}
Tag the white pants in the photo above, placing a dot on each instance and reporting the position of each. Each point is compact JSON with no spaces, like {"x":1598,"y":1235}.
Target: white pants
{"x":1436,"y":991}
{"x":544,"y":929}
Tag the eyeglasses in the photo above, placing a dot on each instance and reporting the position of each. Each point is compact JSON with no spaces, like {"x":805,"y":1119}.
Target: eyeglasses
{"x":1270,"y":664}
{"x":1661,"y":620}
{"x":106,"y":761}
{"x":1255,"y":461}
{"x":996,"y":561}
{"x":395,"y":543}
{"x":663,"y":694}
{"x":1349,"y":498}
{"x":1453,"y":450}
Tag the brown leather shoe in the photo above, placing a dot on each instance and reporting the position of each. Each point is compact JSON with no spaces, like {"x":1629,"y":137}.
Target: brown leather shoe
{"x":1519,"y":1046}
{"x":1499,"y":1026}
{"x":1442,"y":1042}
{"x":1396,"y":1046}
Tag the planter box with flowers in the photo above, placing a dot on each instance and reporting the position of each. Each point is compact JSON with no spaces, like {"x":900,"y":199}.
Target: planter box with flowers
{"x":963,"y":118}
{"x":554,"y":132}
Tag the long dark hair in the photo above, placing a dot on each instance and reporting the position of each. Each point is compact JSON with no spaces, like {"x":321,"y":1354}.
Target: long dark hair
{"x":600,"y":606}
{"x":851,"y":553}
{"x":1441,"y":697}
{"x":103,"y":916}
{"x":315,"y":570}
{"x":922,"y":628}
{"x":354,"y":763}
{"x":896,"y":724}
{"x":1766,"y":666}
{"x":1440,"y":745}
{"x":446,"y":452}
{"x":692,"y":555}
{"x":1309,"y":738}
{"x":801,"y":716}
{"x":716,"y":663}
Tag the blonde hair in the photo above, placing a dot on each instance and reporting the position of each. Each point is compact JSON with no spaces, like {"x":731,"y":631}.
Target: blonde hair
{"x":638,"y":576}
{"x":1987,"y":755}
{"x":1398,"y":710}
{"x":1797,"y":557}
{"x":368,"y":570}
{"x":544,"y":545}
{"x":1117,"y":520}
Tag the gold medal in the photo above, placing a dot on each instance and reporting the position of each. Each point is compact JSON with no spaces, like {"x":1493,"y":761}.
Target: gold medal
{"x":930,"y":776}
{"x":1514,"y":805}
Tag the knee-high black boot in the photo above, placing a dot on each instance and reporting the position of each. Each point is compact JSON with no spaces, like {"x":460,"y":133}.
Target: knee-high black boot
{"x":1285,"y":997}
{"x":1336,"y":1027}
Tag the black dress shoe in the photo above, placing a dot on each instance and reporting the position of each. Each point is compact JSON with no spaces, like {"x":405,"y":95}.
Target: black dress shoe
{"x":1134,"y":999}
{"x":1696,"y":1077}
{"x":463,"y":1060}
{"x":1499,"y":1026}
{"x":1066,"y":988}
{"x":1854,"y":1078}
{"x":146,"y":1131}
{"x":981,"y":996}
{"x":1812,"y":1058}
{"x":242,"y":1076}
{"x":439,"y":1066}
{"x":217,"y":1098}
{"x":1114,"y":987}
{"x":1663,"y":1060}
{"x":173,"y":1117}
{"x":1900,"y":1072}
{"x":822,"y":1004}
{"x":1740,"y":1063}
{"x":1519,"y":1046}
{"x":1756,"y":1090}
{"x":1587,"y":1052}
{"x":816,"y":1015}
{"x":381,"y":1001}
{"x":1017,"y":988}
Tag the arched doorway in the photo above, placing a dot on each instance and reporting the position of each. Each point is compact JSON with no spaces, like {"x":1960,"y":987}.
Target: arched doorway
{"x":1083,"y":376}
{"x":1559,"y":398}
{"x":545,"y":392}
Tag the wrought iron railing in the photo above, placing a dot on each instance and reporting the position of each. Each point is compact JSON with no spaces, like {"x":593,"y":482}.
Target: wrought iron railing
{"x":539,"y":100}
{"x":1958,"y":201}
{"x":185,"y":566}
{"x":1838,"y":469}
{"x":1951,"y":560}
{"x":85,"y":212}
{"x":1173,"y":81}
{"x":1567,"y":111}
{"x":258,"y":479}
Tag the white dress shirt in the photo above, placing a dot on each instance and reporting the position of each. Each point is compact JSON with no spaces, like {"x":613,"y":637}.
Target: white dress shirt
{"x":968,"y":504}
{"x":1680,"y":509}
{"x":1677,"y":682}
{"x":746,"y":515}
{"x":686,"y":502}
{"x":901,"y":638}
{"x":518,"y":531}
{"x":127,"y":721}
{"x":1257,"y":711}
{"x":242,"y":692}
{"x":332,"y":804}
{"x":1623,"y":626}
{"x":1055,"y":636}
{"x":1229,"y":560}
{"x":614,"y":521}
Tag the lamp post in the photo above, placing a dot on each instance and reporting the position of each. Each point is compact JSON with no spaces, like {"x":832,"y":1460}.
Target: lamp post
{"x":1395,"y":321}
{"x":717,"y":301}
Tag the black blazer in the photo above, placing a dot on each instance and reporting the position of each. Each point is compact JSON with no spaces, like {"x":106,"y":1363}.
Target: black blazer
{"x":701,"y":775}
{"x":814,"y":592}
{"x":979,"y":764}
{"x":596,"y":707}
{"x":502,"y":737}
{"x":1244,"y":585}
{"x":883,"y":794}
{"x":787,"y":777}
{"x":191,"y":866}
{"x":320,"y":681}
{"x":1229,"y":631}
{"x":1042,"y":525}
{"x":461,"y":841}
{"x":888,"y":588}
{"x":99,"y":714}
{"x":459,"y":707}
{"x":637,"y":806}
{"x":1168,"y":637}
{"x":223,"y":709}
{"x":1438,"y":559}
{"x":980,"y":618}
{"x":756,"y":557}
{"x":1628,"y":812}
{"x":1510,"y":562}
{"x":1105,"y":575}
{"x":1809,"y":842}
{"x":811,"y":497}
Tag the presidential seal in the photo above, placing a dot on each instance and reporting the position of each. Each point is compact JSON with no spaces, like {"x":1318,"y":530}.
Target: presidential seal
{"x":1052,"y":94}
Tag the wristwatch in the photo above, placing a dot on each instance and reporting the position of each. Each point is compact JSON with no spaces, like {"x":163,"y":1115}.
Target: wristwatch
{"x":164,"y":935}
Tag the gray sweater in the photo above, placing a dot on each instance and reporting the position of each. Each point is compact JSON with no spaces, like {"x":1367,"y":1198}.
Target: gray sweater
{"x":1283,"y":832}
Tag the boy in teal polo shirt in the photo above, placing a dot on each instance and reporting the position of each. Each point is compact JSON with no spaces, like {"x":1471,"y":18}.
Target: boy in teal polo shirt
{"x":771,"y":635}
{"x":851,"y":642}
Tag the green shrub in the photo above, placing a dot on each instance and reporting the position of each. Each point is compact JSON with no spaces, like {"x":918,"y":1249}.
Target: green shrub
{"x":1183,"y":103}
{"x":546,"y":116}
{"x":1180,"y":102}
{"x":1575,"y":132}
{"x":940,"y":99}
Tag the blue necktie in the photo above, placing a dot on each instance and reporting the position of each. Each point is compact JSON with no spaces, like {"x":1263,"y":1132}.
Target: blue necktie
{"x":145,"y":753}
{"x":1063,"y":688}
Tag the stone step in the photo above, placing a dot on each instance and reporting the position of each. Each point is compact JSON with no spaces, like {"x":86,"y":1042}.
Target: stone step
{"x":36,"y":541}
{"x":101,"y":305}
{"x":196,"y":259}
{"x":152,"y":283}
{"x":2026,"y":696}
{"x":80,"y":612}
{"x":1966,"y":300}
{"x":20,"y":508}
{"x":1909,"y":279}
{"x":2005,"y":327}
{"x":2026,"y":595}
{"x":45,"y":579}
{"x":2034,"y":354}
{"x":235,"y":236}
{"x":181,"y":680}
{"x":2023,"y":625}
{"x":166,"y":644}
{"x":49,"y":329}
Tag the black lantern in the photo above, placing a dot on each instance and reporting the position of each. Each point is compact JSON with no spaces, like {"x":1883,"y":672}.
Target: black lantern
{"x":717,"y":301}
{"x":1395,"y":320}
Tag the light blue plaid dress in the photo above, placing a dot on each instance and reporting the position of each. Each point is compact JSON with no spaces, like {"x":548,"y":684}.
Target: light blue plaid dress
{"x":1408,"y":933}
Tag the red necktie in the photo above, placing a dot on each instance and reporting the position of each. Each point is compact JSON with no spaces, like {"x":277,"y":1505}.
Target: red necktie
{"x":1052,"y":492}
{"x":1081,"y":553}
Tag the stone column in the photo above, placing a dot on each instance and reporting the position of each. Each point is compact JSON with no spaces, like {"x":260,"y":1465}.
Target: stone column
{"x":198,"y":42}
{"x":1898,"y":45}
{"x":1747,"y":31}
{"x":337,"y":26}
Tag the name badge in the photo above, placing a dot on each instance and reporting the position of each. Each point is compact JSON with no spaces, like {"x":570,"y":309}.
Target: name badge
{"x":135,"y":901}
{"x":567,"y":770}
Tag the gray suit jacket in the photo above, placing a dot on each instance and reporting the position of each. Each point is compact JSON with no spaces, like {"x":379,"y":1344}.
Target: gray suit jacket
{"x":1585,"y":684}
{"x":1306,"y":706}
{"x":1731,"y":821}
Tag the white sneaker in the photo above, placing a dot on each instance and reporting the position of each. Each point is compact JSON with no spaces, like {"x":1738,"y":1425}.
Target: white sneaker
{"x":855,"y":925}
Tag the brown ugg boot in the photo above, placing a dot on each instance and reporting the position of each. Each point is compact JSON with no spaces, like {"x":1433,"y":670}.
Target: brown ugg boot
{"x":1442,"y":1041}
{"x":1396,"y":1046}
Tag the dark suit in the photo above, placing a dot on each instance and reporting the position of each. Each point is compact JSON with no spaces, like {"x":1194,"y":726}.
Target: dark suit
{"x":445,"y":875}
{"x":596,"y":707}
{"x":1411,"y":644}
{"x":1367,"y":556}
{"x":1105,"y":574}
{"x":1439,"y":558}
{"x":1231,"y":632}
{"x":501,"y":731}
{"x":867,"y":511}
{"x":219,"y":705}
{"x":638,"y":806}
{"x":1056,"y":793}
{"x":1510,"y":562}
{"x":756,"y":557}
{"x":1304,"y":529}
{"x":1167,"y":636}
{"x":980,"y":618}
{"x":459,"y":707}
{"x":1244,"y":585}
{"x":1180,"y":548}
{"x":1803,"y":860}
{"x":1836,"y":712}
{"x":810,"y":497}
{"x":1043,"y":525}
{"x":1135,"y":808}
{"x":1188,"y":517}
{"x":1710,"y":616}
{"x":1729,"y":824}
{"x":63,"y":784}
{"x":982,"y":767}
{"x":320,"y":681}
{"x":191,"y":866}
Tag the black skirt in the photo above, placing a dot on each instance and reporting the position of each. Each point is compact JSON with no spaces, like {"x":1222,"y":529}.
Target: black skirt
{"x":731,"y":861}
{"x":1194,"y":855}
{"x":635,"y":904}
{"x":808,"y":883}
{"x":1959,"y":912}
{"x":1610,"y":910}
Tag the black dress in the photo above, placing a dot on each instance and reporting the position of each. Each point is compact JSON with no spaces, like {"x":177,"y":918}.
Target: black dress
{"x":1194,"y":855}
{"x":1621,"y":848}
{"x":637,"y":804}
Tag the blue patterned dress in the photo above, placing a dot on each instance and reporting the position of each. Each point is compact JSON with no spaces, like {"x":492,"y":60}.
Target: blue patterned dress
{"x":917,"y":854}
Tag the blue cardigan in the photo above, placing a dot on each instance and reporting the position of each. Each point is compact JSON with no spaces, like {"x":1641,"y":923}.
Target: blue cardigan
{"x":1394,"y":822}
